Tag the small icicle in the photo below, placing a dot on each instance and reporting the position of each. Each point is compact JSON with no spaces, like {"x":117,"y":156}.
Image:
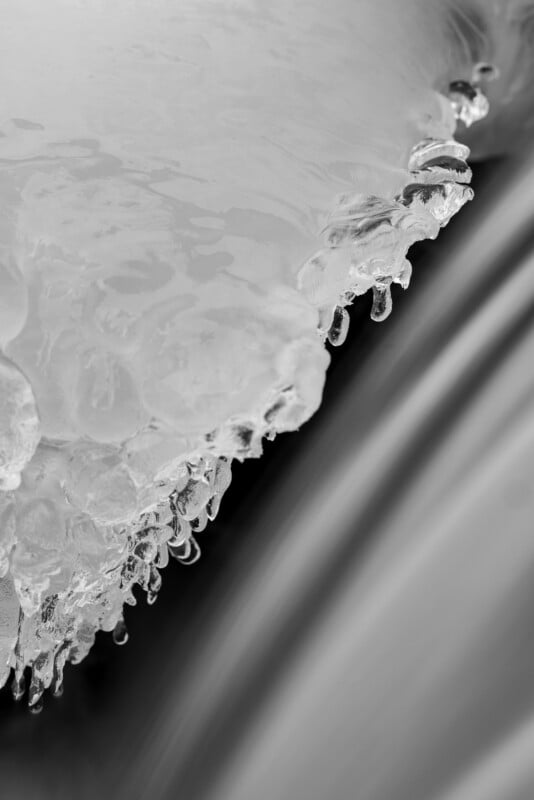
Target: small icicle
{"x":326,"y":317}
{"x":337,"y":333}
{"x":37,"y":707}
{"x":18,"y":686}
{"x":430,"y":149}
{"x":469,"y":104}
{"x":405,"y":274}
{"x":57,"y":675}
{"x":146,"y":550}
{"x":120,"y":633}
{"x":186,"y":553}
{"x":162,"y":558}
{"x":199,"y":523}
{"x":154,"y":585}
{"x":181,"y":531}
{"x":212,"y":506}
{"x":443,"y":168}
{"x":37,"y":687}
{"x":382,"y":302}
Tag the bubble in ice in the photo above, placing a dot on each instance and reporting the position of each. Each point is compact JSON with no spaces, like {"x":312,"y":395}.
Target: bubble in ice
{"x":18,"y":687}
{"x":171,"y":271}
{"x":37,"y":706}
{"x":382,"y":301}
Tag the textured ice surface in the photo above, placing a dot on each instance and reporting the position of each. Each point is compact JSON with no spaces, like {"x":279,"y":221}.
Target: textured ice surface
{"x":166,"y":171}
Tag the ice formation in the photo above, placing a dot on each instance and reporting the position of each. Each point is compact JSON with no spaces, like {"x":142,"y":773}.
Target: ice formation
{"x":165,"y":297}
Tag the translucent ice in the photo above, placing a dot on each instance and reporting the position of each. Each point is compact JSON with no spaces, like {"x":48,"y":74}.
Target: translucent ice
{"x":166,"y":292}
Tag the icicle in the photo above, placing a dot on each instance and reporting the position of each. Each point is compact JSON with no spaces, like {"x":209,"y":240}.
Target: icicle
{"x":120,"y":633}
{"x":37,"y":706}
{"x":187,"y":553}
{"x":154,"y":585}
{"x":382,"y":302}
{"x":18,"y":686}
{"x":339,"y":327}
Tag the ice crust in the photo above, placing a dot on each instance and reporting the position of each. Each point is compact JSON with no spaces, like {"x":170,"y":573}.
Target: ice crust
{"x":165,"y":294}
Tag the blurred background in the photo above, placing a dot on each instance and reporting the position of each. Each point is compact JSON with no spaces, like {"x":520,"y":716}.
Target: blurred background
{"x":361,"y":623}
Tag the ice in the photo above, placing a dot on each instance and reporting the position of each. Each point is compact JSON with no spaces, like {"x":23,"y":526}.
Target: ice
{"x":382,"y":301}
{"x":165,"y":175}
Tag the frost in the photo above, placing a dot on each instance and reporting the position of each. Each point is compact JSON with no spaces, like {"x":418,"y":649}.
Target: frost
{"x":166,"y":288}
